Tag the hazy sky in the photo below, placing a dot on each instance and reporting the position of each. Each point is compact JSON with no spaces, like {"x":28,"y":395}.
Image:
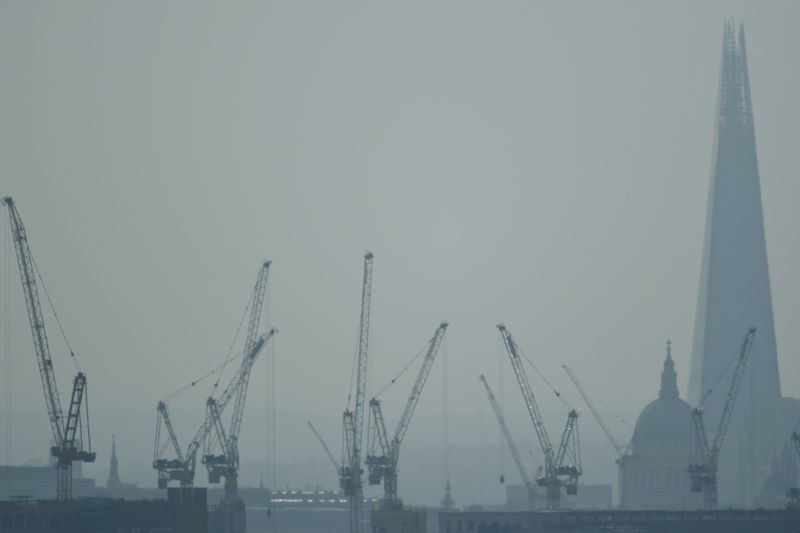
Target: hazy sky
{"x":545,"y":164}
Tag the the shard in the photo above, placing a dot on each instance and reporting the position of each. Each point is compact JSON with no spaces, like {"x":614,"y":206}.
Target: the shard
{"x":734,"y":291}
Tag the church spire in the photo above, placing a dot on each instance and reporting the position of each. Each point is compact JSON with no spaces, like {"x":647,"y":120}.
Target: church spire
{"x":447,"y":501}
{"x":669,"y":378}
{"x":113,"y":472}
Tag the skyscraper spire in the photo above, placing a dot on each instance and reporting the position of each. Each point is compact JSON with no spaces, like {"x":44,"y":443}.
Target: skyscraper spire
{"x":734,"y":291}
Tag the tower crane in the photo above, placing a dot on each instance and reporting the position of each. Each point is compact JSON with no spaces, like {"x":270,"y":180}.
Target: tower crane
{"x":703,"y":475}
{"x":353,"y":420}
{"x":622,"y":452}
{"x":226,"y":464}
{"x":557,"y":472}
{"x":68,"y":433}
{"x":501,"y":420}
{"x":177,"y":469}
{"x":182,"y":467}
{"x":383,"y":455}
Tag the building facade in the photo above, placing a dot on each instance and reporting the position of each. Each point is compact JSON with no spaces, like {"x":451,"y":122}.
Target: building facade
{"x":184,"y":511}
{"x":727,"y":521}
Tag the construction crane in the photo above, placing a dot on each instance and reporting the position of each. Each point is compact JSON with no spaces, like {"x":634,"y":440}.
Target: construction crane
{"x":557,"y":472}
{"x":383,"y":455}
{"x":226,"y":464}
{"x":68,"y":433}
{"x":324,"y":446}
{"x":703,"y":475}
{"x":622,"y":452}
{"x":353,"y":419}
{"x":182,"y":467}
{"x":501,"y":420}
{"x":170,"y":469}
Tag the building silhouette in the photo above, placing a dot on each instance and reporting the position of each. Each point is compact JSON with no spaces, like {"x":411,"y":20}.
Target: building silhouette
{"x":113,"y":482}
{"x":653,"y":475}
{"x":734,"y":294}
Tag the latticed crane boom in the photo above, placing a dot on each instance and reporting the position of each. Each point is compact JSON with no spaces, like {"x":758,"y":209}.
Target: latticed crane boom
{"x":324,"y":446}
{"x":512,"y":447}
{"x":621,"y":451}
{"x":703,"y":476}
{"x":68,"y":446}
{"x":256,"y":307}
{"x":384,"y":466}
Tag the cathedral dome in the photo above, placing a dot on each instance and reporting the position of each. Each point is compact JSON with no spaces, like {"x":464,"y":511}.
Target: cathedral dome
{"x":663,"y":421}
{"x":666,"y":421}
{"x":654,"y":475}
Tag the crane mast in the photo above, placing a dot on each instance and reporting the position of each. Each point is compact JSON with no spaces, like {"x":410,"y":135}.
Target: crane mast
{"x":385,"y":465}
{"x":556,"y":473}
{"x":512,"y":448}
{"x":703,"y":476}
{"x":66,"y":448}
{"x":353,"y":420}
{"x":378,"y":448}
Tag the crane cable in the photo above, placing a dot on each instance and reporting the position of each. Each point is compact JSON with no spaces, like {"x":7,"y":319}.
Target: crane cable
{"x":202,"y":378}
{"x":719,"y":378}
{"x":612,"y":412}
{"x":607,"y":408}
{"x":58,"y":320}
{"x":558,"y":394}
{"x":403,"y":371}
{"x":233,"y":342}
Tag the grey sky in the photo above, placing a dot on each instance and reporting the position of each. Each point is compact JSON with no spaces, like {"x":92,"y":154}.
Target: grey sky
{"x":545,"y":164}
